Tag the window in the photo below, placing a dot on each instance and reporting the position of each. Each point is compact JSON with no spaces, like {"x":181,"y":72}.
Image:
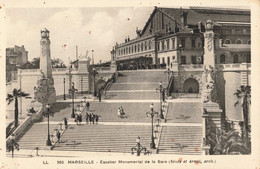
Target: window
{"x":132,"y":49}
{"x":129,"y":49}
{"x":249,"y":42}
{"x":163,"y":60}
{"x":239,"y":41}
{"x":158,"y":46}
{"x":145,"y":46}
{"x":248,"y":58}
{"x":235,"y":58}
{"x":159,"y":60}
{"x":173,"y":43}
{"x":227,"y":41}
{"x":193,"y":43}
{"x":222,"y":59}
{"x":162,"y":45}
{"x":138,"y":47}
{"x":142,"y":46}
{"x":168,"y":60}
{"x":135,"y":48}
{"x":168,"y":44}
{"x":183,"y":59}
{"x":183,"y":43}
{"x":193,"y":59}
{"x":149,"y":45}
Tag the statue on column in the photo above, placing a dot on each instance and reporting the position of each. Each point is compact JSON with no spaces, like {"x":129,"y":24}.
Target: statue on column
{"x":45,"y":92}
{"x":209,"y":87}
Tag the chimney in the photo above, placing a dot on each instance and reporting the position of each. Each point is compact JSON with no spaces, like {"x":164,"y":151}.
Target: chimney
{"x":183,"y":17}
{"x":128,"y":39}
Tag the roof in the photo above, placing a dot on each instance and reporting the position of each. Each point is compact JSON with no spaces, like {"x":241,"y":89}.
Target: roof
{"x":196,"y":14}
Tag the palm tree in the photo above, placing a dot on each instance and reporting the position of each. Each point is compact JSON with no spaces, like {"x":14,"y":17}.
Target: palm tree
{"x":14,"y":96}
{"x":222,"y":142}
{"x":243,"y":95}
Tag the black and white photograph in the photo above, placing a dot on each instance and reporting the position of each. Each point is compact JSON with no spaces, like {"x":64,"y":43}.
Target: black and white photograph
{"x":128,"y":85}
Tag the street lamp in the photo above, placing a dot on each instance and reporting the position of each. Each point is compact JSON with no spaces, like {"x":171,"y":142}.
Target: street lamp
{"x":161,"y":90}
{"x":47,"y":114}
{"x":72,"y":92}
{"x":81,"y":80}
{"x":12,"y":145}
{"x":64,"y":96}
{"x":138,"y":147}
{"x":94,"y":73}
{"x":152,"y":112}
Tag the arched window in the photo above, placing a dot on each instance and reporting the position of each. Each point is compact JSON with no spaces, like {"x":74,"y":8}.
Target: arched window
{"x":227,"y":41}
{"x":239,"y":41}
{"x":222,"y":59}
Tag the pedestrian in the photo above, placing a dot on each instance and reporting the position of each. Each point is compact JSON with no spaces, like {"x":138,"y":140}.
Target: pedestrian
{"x":119,"y":113}
{"x":80,"y":119}
{"x":77,"y":119}
{"x":87,"y":117}
{"x":87,"y":105}
{"x":122,"y":111}
{"x":97,"y":119}
{"x":65,"y":122}
{"x":93,"y":117}
{"x":99,"y":96}
{"x":58,"y":136}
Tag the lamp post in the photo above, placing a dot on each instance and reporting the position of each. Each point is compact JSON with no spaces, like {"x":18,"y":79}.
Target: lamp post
{"x":47,"y":114}
{"x":12,"y":145}
{"x":94,"y":73}
{"x":64,"y":96}
{"x":152,"y":112}
{"x":161,"y":90}
{"x":138,"y":147}
{"x":81,"y":80}
{"x":72,"y":91}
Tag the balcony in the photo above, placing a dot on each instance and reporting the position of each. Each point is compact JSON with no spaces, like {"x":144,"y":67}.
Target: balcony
{"x":234,"y":66}
{"x":191,"y":67}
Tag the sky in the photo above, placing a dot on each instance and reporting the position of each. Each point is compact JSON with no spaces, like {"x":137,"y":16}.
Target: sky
{"x":90,"y":29}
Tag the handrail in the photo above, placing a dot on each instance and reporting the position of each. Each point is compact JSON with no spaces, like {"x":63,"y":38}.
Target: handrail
{"x":169,"y":86}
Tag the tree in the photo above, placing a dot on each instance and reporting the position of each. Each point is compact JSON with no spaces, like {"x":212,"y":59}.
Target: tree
{"x":57,"y":63}
{"x":243,"y":95}
{"x":14,"y":96}
{"x":223,"y":143}
{"x":36,"y":63}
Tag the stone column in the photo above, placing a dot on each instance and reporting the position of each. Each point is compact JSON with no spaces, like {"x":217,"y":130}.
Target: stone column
{"x":211,"y":113}
{"x":45,"y":92}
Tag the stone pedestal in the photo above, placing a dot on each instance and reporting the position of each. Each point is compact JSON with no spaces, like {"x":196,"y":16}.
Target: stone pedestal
{"x":113,"y":66}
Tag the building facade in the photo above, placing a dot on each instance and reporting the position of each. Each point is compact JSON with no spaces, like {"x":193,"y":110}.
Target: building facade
{"x":15,"y":57}
{"x":176,"y":38}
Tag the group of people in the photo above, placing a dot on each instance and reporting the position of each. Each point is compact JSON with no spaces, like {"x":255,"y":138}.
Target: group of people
{"x":120,"y":112}
{"x":78,"y":119}
{"x":91,"y":118}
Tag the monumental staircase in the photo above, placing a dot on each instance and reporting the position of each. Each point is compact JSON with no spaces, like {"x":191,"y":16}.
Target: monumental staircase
{"x":134,"y":91}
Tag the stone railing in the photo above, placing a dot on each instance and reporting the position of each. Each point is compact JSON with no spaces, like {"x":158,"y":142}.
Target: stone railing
{"x":195,"y":67}
{"x":19,"y":131}
{"x":186,"y":95}
{"x":103,"y":69}
{"x":235,"y":66}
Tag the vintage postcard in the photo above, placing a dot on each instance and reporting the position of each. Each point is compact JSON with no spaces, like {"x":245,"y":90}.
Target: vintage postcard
{"x":130,"y":84}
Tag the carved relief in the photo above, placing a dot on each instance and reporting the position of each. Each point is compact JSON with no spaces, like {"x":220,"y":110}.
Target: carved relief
{"x":209,"y":86}
{"x":209,"y":37}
